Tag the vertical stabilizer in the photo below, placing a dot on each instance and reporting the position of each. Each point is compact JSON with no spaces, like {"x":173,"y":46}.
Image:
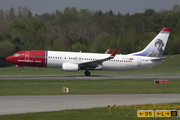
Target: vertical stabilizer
{"x":157,"y":46}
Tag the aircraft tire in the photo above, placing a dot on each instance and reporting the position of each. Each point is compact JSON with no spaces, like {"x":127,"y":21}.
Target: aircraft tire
{"x":87,"y":73}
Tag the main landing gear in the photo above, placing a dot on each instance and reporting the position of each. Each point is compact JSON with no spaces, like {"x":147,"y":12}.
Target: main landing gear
{"x":87,"y":73}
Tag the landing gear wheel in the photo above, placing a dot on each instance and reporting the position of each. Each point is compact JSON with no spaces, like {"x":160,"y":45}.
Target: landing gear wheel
{"x":87,"y":73}
{"x":22,"y":70}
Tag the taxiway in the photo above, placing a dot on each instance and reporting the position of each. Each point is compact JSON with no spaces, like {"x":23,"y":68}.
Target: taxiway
{"x":66,"y":77}
{"x":27,"y":104}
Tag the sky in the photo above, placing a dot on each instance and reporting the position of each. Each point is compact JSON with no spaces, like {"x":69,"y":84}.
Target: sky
{"x":123,"y":6}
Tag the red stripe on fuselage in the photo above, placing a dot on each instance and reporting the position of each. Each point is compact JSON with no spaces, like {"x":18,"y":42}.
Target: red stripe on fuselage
{"x":29,"y":58}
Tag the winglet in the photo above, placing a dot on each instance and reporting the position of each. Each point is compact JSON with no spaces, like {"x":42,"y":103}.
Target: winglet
{"x":114,"y":53}
{"x":107,"y":52}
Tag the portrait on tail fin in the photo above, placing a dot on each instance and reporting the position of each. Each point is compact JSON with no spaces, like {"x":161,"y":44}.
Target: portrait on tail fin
{"x":159,"y":52}
{"x":157,"y":46}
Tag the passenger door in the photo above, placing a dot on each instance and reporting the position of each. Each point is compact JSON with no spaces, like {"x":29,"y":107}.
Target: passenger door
{"x":139,"y":62}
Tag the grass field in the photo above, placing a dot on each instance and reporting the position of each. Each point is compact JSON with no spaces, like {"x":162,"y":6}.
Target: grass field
{"x":122,"y":113}
{"x":170,"y":66}
{"x":104,"y":86}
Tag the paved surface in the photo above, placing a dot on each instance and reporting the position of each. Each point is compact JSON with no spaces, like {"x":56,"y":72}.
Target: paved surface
{"x":25,"y":104}
{"x":120,"y":76}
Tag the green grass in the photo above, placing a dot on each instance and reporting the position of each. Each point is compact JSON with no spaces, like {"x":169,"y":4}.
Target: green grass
{"x":104,"y":86}
{"x":122,"y":113}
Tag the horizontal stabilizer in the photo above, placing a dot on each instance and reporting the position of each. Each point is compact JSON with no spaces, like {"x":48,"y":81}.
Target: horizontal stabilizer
{"x":161,"y":58}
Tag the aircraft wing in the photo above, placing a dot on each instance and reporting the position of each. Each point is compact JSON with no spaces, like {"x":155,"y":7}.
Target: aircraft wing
{"x":93,"y":64}
{"x":161,"y":58}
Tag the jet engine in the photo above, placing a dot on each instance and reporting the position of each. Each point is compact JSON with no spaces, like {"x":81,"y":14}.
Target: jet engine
{"x":70,"y":67}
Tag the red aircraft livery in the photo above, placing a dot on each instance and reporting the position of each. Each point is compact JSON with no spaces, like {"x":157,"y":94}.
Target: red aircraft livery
{"x":29,"y":58}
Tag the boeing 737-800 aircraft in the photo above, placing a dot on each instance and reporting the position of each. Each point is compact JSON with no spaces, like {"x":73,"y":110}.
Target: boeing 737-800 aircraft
{"x":74,"y":61}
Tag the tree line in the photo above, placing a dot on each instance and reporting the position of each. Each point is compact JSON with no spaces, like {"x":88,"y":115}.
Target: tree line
{"x":84,"y":30}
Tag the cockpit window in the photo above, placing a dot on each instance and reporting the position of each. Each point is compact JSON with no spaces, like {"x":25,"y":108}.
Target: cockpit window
{"x":16,"y":55}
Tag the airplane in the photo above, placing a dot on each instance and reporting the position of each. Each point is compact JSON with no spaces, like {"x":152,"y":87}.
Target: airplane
{"x":150,"y":56}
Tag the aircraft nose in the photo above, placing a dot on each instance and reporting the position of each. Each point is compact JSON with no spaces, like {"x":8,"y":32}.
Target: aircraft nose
{"x":12,"y":59}
{"x":9,"y":59}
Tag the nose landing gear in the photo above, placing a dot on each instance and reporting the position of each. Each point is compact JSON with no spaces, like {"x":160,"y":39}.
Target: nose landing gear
{"x":22,"y":70}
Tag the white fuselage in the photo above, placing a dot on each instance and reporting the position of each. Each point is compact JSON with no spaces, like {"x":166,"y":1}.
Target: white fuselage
{"x":118,"y":63}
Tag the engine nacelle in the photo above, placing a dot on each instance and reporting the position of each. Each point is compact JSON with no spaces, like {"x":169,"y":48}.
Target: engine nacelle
{"x":70,"y":67}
